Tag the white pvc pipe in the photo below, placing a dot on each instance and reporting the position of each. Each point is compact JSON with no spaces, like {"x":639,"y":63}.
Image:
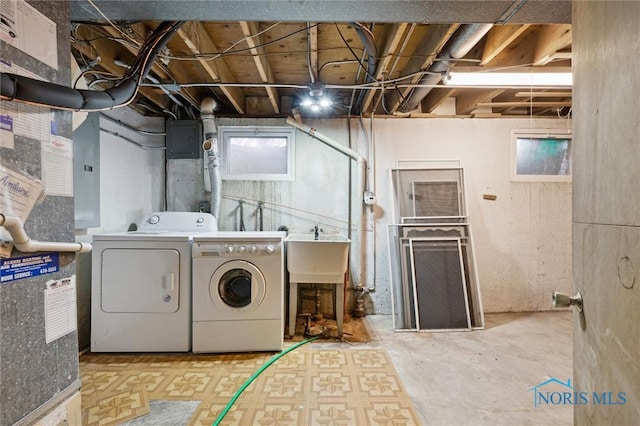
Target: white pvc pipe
{"x":362,"y":173}
{"x":325,"y":139}
{"x":22,"y":242}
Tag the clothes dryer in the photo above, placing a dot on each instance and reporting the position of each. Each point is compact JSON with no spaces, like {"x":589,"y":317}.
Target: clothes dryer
{"x":141,"y":284}
{"x":238,"y":292}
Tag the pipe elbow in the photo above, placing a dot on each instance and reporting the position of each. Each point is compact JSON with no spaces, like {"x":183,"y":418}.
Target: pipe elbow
{"x":207,"y":106}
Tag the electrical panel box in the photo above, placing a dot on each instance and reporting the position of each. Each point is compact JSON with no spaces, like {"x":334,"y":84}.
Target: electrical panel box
{"x":184,"y":139}
{"x":86,"y":172}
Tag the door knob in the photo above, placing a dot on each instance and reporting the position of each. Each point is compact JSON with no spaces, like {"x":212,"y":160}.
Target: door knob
{"x":561,"y":300}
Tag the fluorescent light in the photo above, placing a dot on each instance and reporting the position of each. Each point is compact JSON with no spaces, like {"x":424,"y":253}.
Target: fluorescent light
{"x":509,"y":79}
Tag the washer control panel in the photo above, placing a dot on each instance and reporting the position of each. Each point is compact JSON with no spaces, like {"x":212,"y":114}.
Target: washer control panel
{"x":257,"y":249}
{"x":236,"y":249}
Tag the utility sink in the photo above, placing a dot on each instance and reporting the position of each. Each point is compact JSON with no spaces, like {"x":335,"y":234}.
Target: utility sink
{"x":317,"y":261}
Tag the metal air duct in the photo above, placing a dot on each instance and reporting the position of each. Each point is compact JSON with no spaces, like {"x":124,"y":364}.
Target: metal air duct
{"x":464,"y":39}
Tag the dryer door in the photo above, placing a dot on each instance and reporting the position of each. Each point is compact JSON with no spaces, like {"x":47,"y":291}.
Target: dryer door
{"x":237,"y":286}
{"x":140,"y":280}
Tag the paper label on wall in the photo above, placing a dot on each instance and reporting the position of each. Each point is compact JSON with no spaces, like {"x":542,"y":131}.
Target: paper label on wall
{"x":29,"y":266}
{"x":6,"y":131}
{"x":20,"y":119}
{"x":60,"y":308}
{"x":57,"y":166}
{"x":25,"y":28}
{"x":18,"y":194}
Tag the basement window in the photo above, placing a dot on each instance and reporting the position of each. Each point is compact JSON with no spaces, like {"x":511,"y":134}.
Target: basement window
{"x":540,"y":156}
{"x":257,"y":153}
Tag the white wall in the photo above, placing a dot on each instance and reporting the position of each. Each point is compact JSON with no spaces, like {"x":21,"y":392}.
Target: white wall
{"x":522,"y":239}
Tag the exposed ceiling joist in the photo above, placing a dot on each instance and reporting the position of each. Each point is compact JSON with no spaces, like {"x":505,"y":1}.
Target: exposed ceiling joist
{"x":250,"y":31}
{"x":499,"y":38}
{"x":470,"y":101}
{"x":551,"y":39}
{"x":534,"y":104}
{"x":198,"y":41}
{"x":393,"y":39}
{"x":425,"y":53}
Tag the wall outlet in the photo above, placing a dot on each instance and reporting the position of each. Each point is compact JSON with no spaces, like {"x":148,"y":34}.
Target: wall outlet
{"x":369,"y":198}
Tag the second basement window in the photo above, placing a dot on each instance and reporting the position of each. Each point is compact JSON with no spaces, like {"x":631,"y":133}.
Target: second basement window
{"x":540,"y":157}
{"x":257,"y":153}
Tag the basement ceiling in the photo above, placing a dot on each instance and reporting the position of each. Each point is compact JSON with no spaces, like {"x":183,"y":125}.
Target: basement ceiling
{"x":261,"y":58}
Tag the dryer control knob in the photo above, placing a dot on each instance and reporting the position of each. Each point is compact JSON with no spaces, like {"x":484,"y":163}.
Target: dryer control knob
{"x":269,"y":249}
{"x":253,"y":249}
{"x":230,"y":249}
{"x":242,"y":249}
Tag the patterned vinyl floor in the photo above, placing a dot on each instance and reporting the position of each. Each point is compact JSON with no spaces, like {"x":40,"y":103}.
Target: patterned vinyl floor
{"x":312,"y":385}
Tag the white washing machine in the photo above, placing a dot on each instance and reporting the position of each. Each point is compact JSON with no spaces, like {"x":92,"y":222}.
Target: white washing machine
{"x":141,"y":284}
{"x":238,"y":292}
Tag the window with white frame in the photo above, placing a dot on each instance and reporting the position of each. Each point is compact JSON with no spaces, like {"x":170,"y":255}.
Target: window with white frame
{"x":540,"y":156}
{"x":257,"y":153}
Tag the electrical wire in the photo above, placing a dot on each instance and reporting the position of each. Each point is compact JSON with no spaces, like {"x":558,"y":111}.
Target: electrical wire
{"x":311,"y":75}
{"x":207,"y":56}
{"x":346,"y":43}
{"x":143,"y":132}
{"x":282,"y":206}
{"x":125,"y":35}
{"x":139,"y":145}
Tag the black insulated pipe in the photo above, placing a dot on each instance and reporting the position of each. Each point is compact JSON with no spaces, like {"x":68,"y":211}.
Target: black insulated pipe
{"x":24,"y":89}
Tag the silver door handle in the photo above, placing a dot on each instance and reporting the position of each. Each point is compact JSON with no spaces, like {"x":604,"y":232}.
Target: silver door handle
{"x":561,"y":300}
{"x":169,"y":282}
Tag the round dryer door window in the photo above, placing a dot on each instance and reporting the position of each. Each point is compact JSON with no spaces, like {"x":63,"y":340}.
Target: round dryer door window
{"x":237,"y":285}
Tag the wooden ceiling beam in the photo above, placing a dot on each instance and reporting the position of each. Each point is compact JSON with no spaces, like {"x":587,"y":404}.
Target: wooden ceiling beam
{"x":498,"y":38}
{"x":551,"y":39}
{"x":432,"y":43}
{"x":195,"y":36}
{"x":250,"y":30}
{"x":393,"y":39}
{"x":534,"y":104}
{"x":435,"y":98}
{"x":543,"y":94}
{"x":471,"y":100}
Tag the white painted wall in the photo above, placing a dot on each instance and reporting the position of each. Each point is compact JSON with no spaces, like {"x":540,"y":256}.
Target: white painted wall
{"x":522,"y":239}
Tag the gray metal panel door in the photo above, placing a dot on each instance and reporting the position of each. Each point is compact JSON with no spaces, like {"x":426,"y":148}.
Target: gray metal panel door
{"x":606,"y":212}
{"x":140,"y":280}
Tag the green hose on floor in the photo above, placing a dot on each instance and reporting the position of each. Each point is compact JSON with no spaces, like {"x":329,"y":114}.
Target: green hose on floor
{"x":255,"y":375}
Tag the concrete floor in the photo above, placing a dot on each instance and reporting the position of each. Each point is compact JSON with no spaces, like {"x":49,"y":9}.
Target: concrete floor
{"x":482,"y":377}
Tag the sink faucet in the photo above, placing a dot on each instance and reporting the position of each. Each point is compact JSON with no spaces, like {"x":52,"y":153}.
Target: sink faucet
{"x":315,"y":232}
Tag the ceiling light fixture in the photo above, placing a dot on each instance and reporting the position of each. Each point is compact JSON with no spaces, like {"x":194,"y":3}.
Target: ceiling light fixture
{"x":509,"y":79}
{"x":316,"y":101}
